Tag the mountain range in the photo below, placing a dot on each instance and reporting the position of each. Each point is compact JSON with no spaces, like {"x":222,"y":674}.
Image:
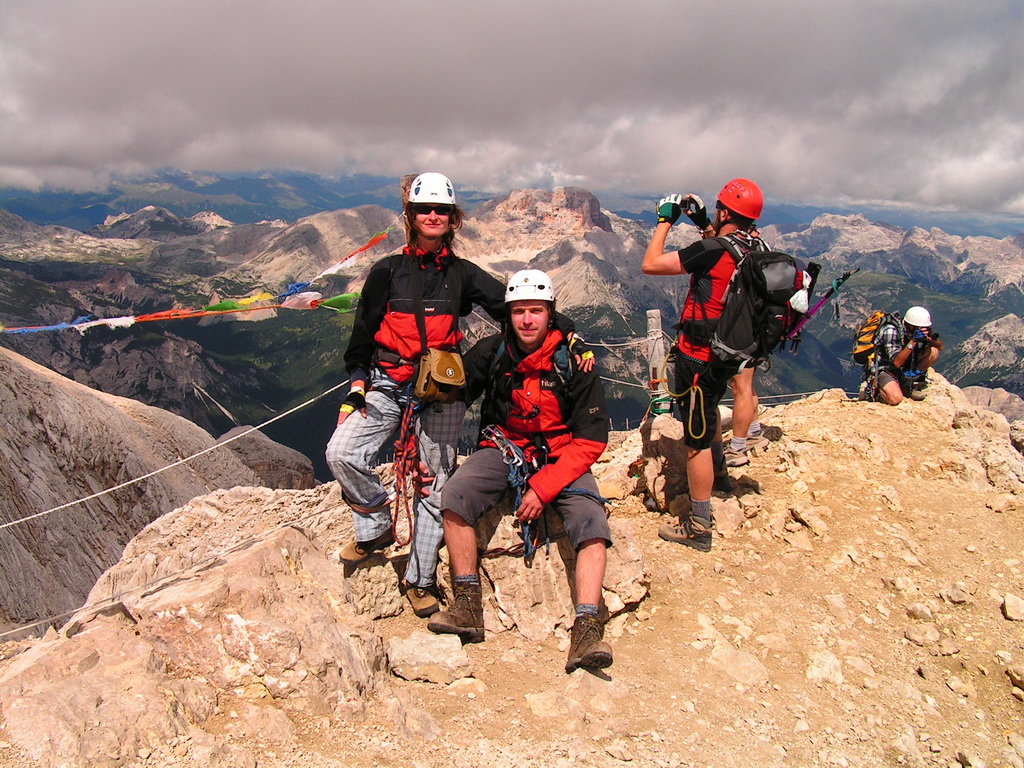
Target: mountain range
{"x":290,"y":195}
{"x":226,"y":372}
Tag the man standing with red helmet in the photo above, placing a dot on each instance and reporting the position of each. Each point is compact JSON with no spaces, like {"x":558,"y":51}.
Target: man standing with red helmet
{"x":701,"y":378}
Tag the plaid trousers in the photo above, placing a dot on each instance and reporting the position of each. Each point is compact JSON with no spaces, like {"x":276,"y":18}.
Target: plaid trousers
{"x":352,"y":455}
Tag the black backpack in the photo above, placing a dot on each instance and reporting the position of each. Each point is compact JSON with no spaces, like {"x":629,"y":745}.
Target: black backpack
{"x":757,"y":317}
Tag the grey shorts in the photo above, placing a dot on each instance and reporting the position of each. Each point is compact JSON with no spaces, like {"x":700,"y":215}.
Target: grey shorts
{"x":481,"y":481}
{"x":886,"y":377}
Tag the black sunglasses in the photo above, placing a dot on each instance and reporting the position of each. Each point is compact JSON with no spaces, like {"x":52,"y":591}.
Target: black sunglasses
{"x":424,"y":209}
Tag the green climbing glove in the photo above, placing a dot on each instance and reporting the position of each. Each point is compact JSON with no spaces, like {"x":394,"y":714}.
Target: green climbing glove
{"x":670,"y":209}
{"x":696,"y":212}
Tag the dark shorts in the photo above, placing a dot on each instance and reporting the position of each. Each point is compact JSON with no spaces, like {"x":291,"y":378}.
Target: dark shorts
{"x":698,"y":409}
{"x":481,"y":481}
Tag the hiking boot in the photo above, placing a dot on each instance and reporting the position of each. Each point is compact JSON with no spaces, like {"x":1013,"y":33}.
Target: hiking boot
{"x":736,"y":458}
{"x":422,"y":599}
{"x":356,"y":552}
{"x":723,"y":483}
{"x":917,"y":391}
{"x":695,"y":532}
{"x":466,"y":616}
{"x":587,"y":648}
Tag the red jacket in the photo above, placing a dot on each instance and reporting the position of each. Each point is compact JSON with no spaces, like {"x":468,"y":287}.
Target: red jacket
{"x":539,"y":410}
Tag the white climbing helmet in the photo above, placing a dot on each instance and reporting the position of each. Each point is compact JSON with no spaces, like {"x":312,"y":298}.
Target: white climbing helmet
{"x":529,"y":284}
{"x":918,"y":317}
{"x":432,"y":188}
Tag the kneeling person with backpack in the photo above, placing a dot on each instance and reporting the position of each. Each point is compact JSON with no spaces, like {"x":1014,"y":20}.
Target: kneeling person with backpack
{"x":543,"y":424}
{"x":905,"y":350}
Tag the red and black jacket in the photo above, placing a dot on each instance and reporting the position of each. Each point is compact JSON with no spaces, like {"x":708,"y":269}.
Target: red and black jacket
{"x":384,"y":331}
{"x":541,"y":408}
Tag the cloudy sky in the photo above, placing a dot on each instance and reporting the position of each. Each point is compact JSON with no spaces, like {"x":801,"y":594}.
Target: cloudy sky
{"x":913,"y":102}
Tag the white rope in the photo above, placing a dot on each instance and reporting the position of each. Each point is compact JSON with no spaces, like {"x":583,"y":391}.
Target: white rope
{"x":486,"y":320}
{"x":178,"y":463}
{"x":638,"y":342}
{"x":626,"y":383}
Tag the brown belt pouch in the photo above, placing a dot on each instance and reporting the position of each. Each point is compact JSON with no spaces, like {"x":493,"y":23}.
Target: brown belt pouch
{"x":439,"y":376}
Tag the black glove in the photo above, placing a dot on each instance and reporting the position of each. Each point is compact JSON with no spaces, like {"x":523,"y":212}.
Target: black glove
{"x":696,"y":212}
{"x":354,"y":401}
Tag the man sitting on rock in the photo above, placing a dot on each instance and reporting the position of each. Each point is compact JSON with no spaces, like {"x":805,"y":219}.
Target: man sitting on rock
{"x":906,"y":352}
{"x":543,"y":424}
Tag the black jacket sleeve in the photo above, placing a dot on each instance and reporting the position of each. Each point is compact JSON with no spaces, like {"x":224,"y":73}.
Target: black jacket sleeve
{"x":482,"y":289}
{"x":589,"y":417}
{"x":373,"y":302}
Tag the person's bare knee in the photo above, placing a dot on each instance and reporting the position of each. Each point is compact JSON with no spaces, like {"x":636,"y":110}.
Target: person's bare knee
{"x":891,"y":393}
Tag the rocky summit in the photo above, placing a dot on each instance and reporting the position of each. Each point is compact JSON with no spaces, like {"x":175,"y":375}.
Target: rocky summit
{"x":862,"y":605}
{"x":61,"y":441}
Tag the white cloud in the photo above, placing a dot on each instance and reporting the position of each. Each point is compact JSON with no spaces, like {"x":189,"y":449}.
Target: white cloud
{"x":913,"y":102}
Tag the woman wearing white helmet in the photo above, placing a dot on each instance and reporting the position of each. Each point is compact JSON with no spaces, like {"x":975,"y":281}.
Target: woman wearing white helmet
{"x":428,"y":280}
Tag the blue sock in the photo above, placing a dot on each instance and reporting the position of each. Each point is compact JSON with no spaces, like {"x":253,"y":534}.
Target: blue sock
{"x":469,"y":579}
{"x":586,"y":609}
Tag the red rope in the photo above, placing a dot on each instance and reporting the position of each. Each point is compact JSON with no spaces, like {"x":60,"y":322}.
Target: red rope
{"x":406,"y":458}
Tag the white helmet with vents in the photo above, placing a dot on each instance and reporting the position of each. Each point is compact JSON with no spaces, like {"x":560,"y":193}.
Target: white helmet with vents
{"x":432,"y":188}
{"x":529,"y":284}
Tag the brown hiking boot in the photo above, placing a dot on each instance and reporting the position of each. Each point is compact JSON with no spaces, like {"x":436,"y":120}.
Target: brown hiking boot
{"x":356,"y":552}
{"x":694,"y":532}
{"x":587,"y":648}
{"x":466,"y":616}
{"x":422,"y":599}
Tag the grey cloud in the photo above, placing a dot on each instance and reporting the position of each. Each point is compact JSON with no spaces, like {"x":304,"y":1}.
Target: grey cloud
{"x":914,"y":102}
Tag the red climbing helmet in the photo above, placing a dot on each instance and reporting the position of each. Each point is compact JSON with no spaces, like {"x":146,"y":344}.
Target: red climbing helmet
{"x":742,"y":197}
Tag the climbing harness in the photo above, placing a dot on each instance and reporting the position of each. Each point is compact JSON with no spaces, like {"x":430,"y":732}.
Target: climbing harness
{"x":519,"y":469}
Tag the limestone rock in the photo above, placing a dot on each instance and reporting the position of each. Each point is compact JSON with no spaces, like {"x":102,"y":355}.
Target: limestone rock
{"x":1013,"y":607}
{"x":663,"y":461}
{"x":1016,"y":675}
{"x":729,"y":517}
{"x":270,"y":622}
{"x":922,"y":634}
{"x":741,"y":666}
{"x":424,"y":656}
{"x":825,"y":666}
{"x":62,"y":441}
{"x":550,"y":704}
